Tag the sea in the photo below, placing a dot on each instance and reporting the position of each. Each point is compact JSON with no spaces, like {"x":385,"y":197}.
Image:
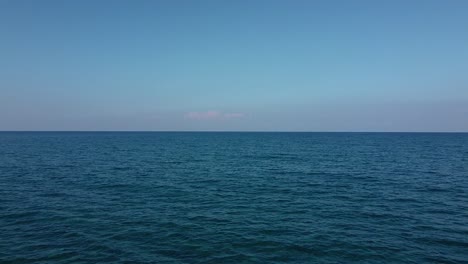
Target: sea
{"x":233,"y":197}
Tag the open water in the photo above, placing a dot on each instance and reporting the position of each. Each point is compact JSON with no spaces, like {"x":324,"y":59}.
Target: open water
{"x":137,"y":197}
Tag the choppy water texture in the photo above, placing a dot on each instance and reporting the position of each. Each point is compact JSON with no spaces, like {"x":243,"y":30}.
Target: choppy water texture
{"x":233,"y":198}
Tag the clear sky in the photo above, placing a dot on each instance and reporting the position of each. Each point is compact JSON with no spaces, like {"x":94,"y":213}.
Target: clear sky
{"x":267,"y":65}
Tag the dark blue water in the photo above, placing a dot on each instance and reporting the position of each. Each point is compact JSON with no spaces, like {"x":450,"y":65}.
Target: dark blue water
{"x":233,"y":198}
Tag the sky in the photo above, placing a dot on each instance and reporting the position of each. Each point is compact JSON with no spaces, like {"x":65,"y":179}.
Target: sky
{"x":244,"y":65}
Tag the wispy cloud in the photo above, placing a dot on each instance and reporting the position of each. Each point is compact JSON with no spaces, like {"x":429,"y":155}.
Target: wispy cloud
{"x":212,"y":115}
{"x":203,"y":115}
{"x":233,"y":115}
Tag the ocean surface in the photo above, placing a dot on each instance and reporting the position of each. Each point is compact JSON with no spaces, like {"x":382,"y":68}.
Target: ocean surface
{"x":174,"y":197}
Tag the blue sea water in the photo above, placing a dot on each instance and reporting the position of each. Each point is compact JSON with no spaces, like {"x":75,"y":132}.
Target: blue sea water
{"x":233,"y":197}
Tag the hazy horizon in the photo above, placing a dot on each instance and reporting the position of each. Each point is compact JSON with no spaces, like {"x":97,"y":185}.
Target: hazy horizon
{"x":280,"y":66}
{"x":233,"y":131}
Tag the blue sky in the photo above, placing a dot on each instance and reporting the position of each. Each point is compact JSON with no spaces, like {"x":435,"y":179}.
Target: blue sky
{"x":234,"y":65}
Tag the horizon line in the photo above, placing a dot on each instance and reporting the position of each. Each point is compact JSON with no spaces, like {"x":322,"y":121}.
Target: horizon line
{"x":221,"y":131}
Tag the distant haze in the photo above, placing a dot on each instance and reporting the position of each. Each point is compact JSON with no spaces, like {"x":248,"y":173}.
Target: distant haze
{"x":234,"y":65}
